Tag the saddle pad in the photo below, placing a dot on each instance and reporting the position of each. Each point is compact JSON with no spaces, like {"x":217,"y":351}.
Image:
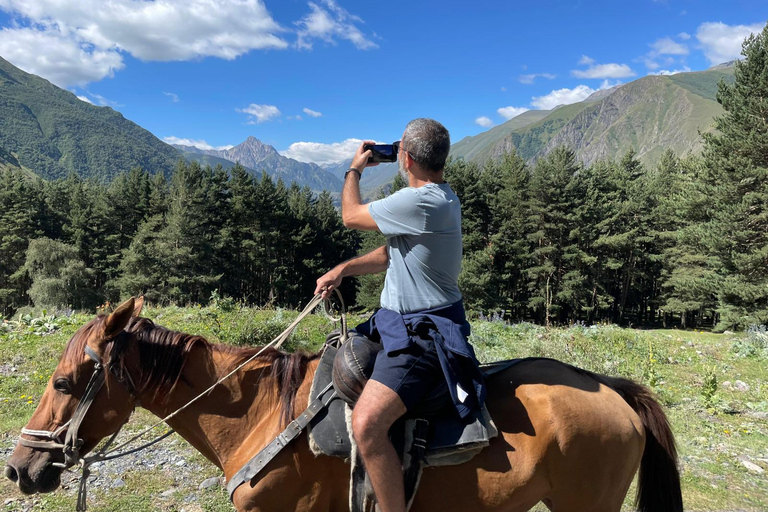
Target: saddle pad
{"x":328,"y":430}
{"x":451,"y":439}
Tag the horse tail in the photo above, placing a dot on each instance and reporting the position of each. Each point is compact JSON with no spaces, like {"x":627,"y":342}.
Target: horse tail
{"x":658,"y":488}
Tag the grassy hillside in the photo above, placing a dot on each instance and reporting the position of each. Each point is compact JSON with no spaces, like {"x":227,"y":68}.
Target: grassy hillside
{"x":472,"y":148}
{"x":713,"y":387}
{"x":53,"y":133}
{"x":651,"y":114}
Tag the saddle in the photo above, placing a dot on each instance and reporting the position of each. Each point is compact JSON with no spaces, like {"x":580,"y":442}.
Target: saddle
{"x":431,"y":435}
{"x":440,"y":439}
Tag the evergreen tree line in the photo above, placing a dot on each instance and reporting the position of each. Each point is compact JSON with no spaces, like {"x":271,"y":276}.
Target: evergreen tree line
{"x":684,"y":242}
{"x":79,"y":242}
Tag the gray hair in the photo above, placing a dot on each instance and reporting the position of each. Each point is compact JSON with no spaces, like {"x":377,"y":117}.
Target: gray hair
{"x":428,"y":143}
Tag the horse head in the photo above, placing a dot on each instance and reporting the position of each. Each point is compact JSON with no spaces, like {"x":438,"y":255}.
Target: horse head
{"x":86,"y":400}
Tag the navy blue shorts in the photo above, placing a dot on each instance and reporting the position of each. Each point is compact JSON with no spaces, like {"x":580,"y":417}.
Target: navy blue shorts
{"x":412,"y":373}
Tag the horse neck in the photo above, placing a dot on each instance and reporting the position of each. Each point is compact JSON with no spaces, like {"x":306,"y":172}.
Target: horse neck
{"x":237,"y":418}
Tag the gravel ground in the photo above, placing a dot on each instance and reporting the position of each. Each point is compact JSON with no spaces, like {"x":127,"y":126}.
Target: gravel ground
{"x":174,"y":454}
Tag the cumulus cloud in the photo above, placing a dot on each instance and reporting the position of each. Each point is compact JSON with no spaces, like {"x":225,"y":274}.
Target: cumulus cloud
{"x":320,"y":153}
{"x":529,"y":79}
{"x":667,"y":72}
{"x":85,"y":99}
{"x":568,"y":96}
{"x":594,"y":70}
{"x":666,"y":46}
{"x":312,"y":113}
{"x":174,"y":97}
{"x":260,"y":113}
{"x":510,"y":112}
{"x":199,"y":144}
{"x":55,"y":56}
{"x":329,"y":22}
{"x":84,"y":40}
{"x":721,"y":42}
{"x":684,"y":36}
{"x":483,"y":121}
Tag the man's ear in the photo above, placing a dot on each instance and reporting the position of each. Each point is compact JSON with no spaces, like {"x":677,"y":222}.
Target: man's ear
{"x":138,"y":305}
{"x":119,"y":318}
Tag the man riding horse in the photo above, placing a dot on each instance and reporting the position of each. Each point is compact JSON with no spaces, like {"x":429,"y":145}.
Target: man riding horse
{"x":421,"y":323}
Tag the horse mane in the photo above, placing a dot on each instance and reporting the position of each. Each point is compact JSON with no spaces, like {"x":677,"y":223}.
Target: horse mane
{"x":163,"y":353}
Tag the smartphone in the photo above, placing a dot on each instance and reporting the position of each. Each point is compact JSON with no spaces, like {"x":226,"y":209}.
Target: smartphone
{"x":382,"y":152}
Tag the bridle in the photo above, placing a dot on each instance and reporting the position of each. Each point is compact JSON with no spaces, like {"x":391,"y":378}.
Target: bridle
{"x":72,"y":443}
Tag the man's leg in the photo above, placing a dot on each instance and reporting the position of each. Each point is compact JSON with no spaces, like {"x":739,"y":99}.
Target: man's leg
{"x":375,"y":412}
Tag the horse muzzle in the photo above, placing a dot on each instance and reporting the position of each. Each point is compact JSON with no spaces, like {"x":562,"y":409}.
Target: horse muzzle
{"x":44,"y":478}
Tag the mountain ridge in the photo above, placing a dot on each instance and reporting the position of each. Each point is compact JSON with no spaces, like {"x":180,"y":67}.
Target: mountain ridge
{"x":651,"y":114}
{"x":53,"y":133}
{"x":257,"y":156}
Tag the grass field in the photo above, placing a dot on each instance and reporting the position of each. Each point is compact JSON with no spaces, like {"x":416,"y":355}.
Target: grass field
{"x":714,"y":388}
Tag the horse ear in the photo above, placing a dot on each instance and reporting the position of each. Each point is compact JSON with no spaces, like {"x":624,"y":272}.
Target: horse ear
{"x":119,"y":318}
{"x":138,"y":305}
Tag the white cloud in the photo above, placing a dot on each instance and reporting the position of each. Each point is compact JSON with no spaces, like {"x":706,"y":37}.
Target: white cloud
{"x":85,"y":99}
{"x":57,"y":57}
{"x":650,"y":63}
{"x":312,"y":113}
{"x":260,"y":113}
{"x":104,"y":102}
{"x":563,"y":97}
{"x":666,"y":46}
{"x":510,"y":112}
{"x":721,"y":42}
{"x":684,"y":36}
{"x":320,"y":153}
{"x":174,"y":97}
{"x":529,"y":79}
{"x":483,"y":121}
{"x":200,"y":144}
{"x":329,"y":22}
{"x":83,"y":41}
{"x":668,"y":72}
{"x":611,"y":70}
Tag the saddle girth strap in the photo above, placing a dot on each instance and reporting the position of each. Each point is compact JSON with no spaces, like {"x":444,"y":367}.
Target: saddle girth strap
{"x":291,"y":432}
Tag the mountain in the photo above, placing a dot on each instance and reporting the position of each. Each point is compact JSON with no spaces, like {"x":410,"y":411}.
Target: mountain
{"x":52,"y":132}
{"x":651,"y":114}
{"x":474,"y":148}
{"x":257,"y":156}
{"x":374,"y":178}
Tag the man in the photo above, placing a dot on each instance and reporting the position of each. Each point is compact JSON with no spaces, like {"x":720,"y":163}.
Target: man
{"x":421,"y":323}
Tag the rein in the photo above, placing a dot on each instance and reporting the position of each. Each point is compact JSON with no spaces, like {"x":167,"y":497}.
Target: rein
{"x":72,"y":443}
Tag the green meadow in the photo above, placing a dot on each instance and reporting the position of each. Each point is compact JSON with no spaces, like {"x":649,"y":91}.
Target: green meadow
{"x":714,"y":388}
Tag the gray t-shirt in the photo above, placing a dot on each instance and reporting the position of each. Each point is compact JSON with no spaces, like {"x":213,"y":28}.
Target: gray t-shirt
{"x":423,"y":230}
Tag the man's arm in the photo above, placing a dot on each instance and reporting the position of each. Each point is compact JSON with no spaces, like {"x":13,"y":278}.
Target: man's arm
{"x":370,"y":263}
{"x":354,"y":213}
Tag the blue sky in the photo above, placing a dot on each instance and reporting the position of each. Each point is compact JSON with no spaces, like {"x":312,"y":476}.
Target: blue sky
{"x":313,"y":77}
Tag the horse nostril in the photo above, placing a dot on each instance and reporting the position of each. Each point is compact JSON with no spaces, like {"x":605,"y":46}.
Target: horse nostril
{"x":11,"y":474}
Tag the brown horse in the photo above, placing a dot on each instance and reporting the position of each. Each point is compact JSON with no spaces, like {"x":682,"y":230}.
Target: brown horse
{"x":569,"y":438}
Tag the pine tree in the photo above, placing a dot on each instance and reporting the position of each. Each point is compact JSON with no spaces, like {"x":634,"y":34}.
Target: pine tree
{"x":555,"y":253}
{"x":22,"y":211}
{"x":735,"y":174}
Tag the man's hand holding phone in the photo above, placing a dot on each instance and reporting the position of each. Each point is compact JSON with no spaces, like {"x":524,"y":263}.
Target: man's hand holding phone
{"x":362,"y":158}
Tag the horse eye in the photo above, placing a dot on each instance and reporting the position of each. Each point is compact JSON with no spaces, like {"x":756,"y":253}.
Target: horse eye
{"x":62,"y":386}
